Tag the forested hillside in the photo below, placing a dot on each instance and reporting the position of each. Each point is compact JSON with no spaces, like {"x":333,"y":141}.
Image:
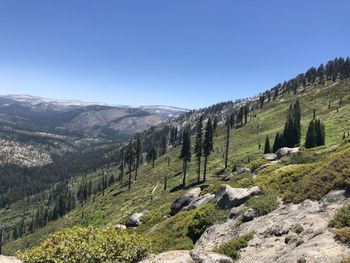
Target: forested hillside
{"x":199,"y":151}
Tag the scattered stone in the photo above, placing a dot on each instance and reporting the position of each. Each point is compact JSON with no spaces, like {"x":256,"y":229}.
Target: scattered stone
{"x":199,"y":201}
{"x":277,"y":230}
{"x":286,"y":151}
{"x":184,"y":200}
{"x":119,"y":227}
{"x":176,"y":256}
{"x":209,"y":257}
{"x":243,"y":170}
{"x":261,"y":167}
{"x":237,"y":212}
{"x":135,"y":219}
{"x":4,"y":259}
{"x":228,"y":177}
{"x":228,"y":197}
{"x":291,"y":238}
{"x":187,"y":256}
{"x":249,"y":215}
{"x":270,"y":156}
{"x":298,"y":228}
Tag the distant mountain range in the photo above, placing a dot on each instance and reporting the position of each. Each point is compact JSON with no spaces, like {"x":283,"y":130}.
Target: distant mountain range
{"x":82,"y":119}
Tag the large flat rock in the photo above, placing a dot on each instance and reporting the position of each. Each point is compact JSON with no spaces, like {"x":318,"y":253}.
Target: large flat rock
{"x":291,"y":232}
{"x":4,"y":259}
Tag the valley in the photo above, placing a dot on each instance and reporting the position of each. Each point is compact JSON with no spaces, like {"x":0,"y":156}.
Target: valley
{"x":313,"y":180}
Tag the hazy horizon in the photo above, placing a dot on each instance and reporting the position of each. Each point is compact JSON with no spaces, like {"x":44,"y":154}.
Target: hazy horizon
{"x":187,"y":54}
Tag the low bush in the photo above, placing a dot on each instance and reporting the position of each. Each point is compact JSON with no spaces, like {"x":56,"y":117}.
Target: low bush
{"x":263,"y":204}
{"x":257,"y":163}
{"x":333,"y":174}
{"x":88,"y":245}
{"x":232,"y":247}
{"x":183,"y":229}
{"x":341,"y":218}
{"x":202,"y":219}
{"x":343,"y":235}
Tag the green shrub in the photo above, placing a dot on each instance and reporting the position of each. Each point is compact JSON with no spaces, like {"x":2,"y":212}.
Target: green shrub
{"x":257,"y":163}
{"x":183,"y":229}
{"x":341,"y":218}
{"x":304,"y":156}
{"x":343,"y":235}
{"x":200,"y":222}
{"x":331,"y":175}
{"x":263,"y":204}
{"x":88,"y":245}
{"x":232,"y":247}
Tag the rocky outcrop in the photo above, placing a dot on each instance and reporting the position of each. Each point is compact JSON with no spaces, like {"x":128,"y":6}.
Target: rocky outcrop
{"x":243,"y":170}
{"x":248,"y":215}
{"x":270,"y":156}
{"x":290,"y":233}
{"x":209,"y":257}
{"x":4,"y":259}
{"x":184,"y":200}
{"x":135,"y":219}
{"x":237,"y":212}
{"x":199,"y":201}
{"x":228,"y":197}
{"x":286,"y":151}
{"x":187,"y":256}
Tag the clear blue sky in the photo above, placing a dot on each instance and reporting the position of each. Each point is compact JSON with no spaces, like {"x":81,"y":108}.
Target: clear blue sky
{"x":187,"y":53}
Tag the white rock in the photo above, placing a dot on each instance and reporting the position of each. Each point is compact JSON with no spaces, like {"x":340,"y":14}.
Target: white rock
{"x":199,"y":201}
{"x":4,"y":259}
{"x":135,"y":219}
{"x":286,"y":151}
{"x":228,"y":197}
{"x":270,"y":156}
{"x":184,"y":200}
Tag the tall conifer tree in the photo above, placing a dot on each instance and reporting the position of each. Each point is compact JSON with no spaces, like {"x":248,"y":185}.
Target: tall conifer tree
{"x":207,"y":145}
{"x":185,"y":153}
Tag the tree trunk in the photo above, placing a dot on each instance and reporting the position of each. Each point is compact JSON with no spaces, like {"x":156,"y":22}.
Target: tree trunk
{"x":136,"y":169}
{"x":184,"y":176}
{"x":129,"y":187}
{"x":165,"y":182}
{"x":1,"y":238}
{"x":227,"y":145}
{"x":199,"y":170}
{"x":205,"y":168}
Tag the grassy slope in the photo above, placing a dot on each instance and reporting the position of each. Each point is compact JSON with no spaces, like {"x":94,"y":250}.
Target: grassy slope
{"x":118,"y":203}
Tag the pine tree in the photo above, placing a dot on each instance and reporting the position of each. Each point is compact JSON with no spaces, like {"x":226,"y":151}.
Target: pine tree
{"x":311,"y":135}
{"x":163,"y":145}
{"x":138,"y":151}
{"x":199,"y":146}
{"x":215,"y":125}
{"x":240,"y":115}
{"x":246,"y":112}
{"x":207,"y":145}
{"x":227,"y":140}
{"x":121,"y":166}
{"x":185,"y":153}
{"x":277,"y":143}
{"x":232,"y":120}
{"x":129,"y":158}
{"x":315,"y":135}
{"x":292,"y":128}
{"x":152,"y":155}
{"x":267,"y":148}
